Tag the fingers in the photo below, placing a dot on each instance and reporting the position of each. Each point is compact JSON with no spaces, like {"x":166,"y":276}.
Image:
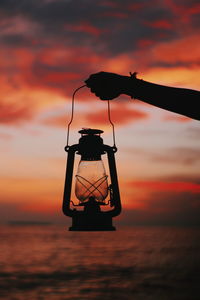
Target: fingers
{"x":93,"y":79}
{"x":103,"y":94}
{"x":88,"y":82}
{"x":91,"y":82}
{"x":107,"y":96}
{"x":104,"y":85}
{"x":102,"y":97}
{"x":95,"y":91}
{"x":99,"y":78}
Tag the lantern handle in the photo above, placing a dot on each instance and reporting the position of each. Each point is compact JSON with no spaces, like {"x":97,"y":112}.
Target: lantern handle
{"x":72,"y":113}
{"x":72,"y":116}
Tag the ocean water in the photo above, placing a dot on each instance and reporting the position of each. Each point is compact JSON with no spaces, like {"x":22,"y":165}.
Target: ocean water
{"x":136,"y":263}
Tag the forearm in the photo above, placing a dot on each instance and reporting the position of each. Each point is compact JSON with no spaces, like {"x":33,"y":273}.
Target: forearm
{"x":178,"y":100}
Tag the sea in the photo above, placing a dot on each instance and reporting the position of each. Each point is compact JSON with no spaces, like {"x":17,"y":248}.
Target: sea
{"x":131,"y":263}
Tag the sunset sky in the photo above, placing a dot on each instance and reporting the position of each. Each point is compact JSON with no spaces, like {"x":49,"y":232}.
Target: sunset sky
{"x":48,"y":48}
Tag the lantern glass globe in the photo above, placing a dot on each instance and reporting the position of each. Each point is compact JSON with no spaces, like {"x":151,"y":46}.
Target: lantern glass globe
{"x":91,"y":181}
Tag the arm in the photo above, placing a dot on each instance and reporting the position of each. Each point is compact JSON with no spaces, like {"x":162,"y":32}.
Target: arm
{"x":109,"y":86}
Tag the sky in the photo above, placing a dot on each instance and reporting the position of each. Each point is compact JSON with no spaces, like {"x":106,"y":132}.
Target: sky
{"x":48,"y":48}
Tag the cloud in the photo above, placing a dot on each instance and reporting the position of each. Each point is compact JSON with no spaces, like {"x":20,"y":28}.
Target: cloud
{"x":168,"y":208}
{"x":10,"y":212}
{"x":5,"y":136}
{"x":184,"y":156}
{"x":55,"y":45}
{"x":74,"y":24}
{"x":84,"y":27}
{"x":193,"y":132}
{"x":164,"y":202}
{"x":158,"y":186}
{"x":179,"y":76}
{"x":57,"y":121}
{"x":13,"y":114}
{"x":161,"y":24}
{"x":49,"y":47}
{"x":179,"y":51}
{"x":54,"y":14}
{"x":177,"y":118}
{"x":184,"y":9}
{"x":179,"y":155}
{"x":120,"y":115}
{"x":115,"y":14}
{"x":182,"y":178}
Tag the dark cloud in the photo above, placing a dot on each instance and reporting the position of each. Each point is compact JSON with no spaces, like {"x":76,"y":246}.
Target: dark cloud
{"x":177,"y":208}
{"x":58,"y":18}
{"x":16,"y":40}
{"x":182,"y":178}
{"x":195,"y":21}
{"x":187,"y":3}
{"x":182,"y":212}
{"x":165,"y":205}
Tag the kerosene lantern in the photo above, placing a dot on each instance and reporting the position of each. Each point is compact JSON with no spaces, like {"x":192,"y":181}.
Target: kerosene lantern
{"x":92,"y":188}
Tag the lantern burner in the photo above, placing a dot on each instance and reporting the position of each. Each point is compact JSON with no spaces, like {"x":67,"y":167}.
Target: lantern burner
{"x":91,"y":189}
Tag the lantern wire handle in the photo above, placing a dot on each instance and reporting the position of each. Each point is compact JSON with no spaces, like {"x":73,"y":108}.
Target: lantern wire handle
{"x":72,"y":113}
{"x":72,"y":116}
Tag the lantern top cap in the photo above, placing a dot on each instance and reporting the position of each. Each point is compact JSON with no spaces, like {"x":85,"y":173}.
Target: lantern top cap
{"x":90,"y":131}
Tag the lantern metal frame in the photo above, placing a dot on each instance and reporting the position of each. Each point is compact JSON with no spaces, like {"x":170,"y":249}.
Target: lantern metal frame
{"x":101,"y":220}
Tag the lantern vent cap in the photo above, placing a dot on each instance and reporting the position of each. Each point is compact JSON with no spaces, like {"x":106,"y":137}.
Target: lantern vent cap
{"x":90,"y":131}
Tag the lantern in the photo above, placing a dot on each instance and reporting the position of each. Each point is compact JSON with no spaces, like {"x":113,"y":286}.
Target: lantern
{"x":92,"y":188}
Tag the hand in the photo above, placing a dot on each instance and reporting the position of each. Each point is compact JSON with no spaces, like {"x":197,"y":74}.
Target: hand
{"x":107,"y":86}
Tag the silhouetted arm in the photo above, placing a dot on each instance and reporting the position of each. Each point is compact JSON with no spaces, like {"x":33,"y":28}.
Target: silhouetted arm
{"x":178,"y":100}
{"x":108,"y":86}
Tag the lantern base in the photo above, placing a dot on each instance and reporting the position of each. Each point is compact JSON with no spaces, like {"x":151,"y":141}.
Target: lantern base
{"x":96,"y":222}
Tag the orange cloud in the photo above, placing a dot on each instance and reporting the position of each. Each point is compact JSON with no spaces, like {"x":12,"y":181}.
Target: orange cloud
{"x":25,"y":191}
{"x":174,"y":117}
{"x":166,"y":186}
{"x":183,"y":50}
{"x":13,"y":114}
{"x":58,"y":121}
{"x":59,"y":77}
{"x":60,"y":56}
{"x":175,"y":76}
{"x":119,"y":115}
